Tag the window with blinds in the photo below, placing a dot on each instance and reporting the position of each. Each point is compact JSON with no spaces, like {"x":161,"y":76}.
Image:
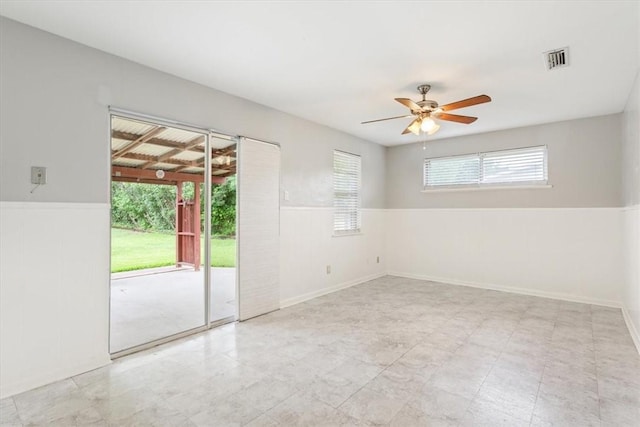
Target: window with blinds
{"x":346,"y":192}
{"x":523,"y":166}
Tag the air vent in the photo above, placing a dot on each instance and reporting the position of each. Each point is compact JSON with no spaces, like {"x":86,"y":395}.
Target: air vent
{"x":557,"y":58}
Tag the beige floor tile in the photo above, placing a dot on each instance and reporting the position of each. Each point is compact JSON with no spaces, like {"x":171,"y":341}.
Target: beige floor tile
{"x":9,"y":413}
{"x":51,"y":402}
{"x":480,"y":414}
{"x":619,"y":414}
{"x":462,"y":377}
{"x":357,"y":371}
{"x":332,"y":389}
{"x":119,"y":408}
{"x":620,"y":390}
{"x":226,"y":412}
{"x":510,"y":392}
{"x":392,"y":351}
{"x":401,"y":382}
{"x":409,"y":416}
{"x":265,"y":394}
{"x":301,"y":410}
{"x":440,"y":405}
{"x":371,"y":406}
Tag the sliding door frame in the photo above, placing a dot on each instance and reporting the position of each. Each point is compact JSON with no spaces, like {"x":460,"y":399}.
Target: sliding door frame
{"x":207,"y":324}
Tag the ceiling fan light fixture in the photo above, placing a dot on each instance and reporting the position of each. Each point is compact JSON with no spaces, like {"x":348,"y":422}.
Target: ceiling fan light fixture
{"x":434,"y":129}
{"x":427,"y":125}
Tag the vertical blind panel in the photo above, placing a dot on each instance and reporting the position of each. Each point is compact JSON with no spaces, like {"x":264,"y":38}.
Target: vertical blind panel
{"x":346,"y":191}
{"x":452,"y":170}
{"x":523,"y":165}
{"x":258,"y":228}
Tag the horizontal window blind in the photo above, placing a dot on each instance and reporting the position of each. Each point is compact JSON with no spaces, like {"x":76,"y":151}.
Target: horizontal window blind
{"x":452,"y":170}
{"x":346,"y":192}
{"x":522,"y":165}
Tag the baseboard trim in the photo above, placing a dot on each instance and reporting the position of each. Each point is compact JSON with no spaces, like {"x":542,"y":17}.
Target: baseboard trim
{"x":538,"y":209}
{"x":8,"y":390}
{"x":522,"y":291}
{"x":315,"y":294}
{"x":635,"y":336}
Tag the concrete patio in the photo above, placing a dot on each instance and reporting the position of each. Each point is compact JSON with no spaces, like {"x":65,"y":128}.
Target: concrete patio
{"x":147,"y":305}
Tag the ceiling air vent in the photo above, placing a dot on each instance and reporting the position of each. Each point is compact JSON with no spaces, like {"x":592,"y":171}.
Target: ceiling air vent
{"x":557,"y":58}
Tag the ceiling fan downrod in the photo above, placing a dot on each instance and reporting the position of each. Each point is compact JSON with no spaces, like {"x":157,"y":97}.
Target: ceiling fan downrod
{"x":423,"y":89}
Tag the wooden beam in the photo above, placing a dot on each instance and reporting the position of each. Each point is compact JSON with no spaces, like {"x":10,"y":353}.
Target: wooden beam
{"x":155,"y":141}
{"x":138,"y":141}
{"x":118,"y":172}
{"x":225,"y":151}
{"x":221,"y":153}
{"x":182,"y":164}
{"x":225,"y":167}
{"x":166,"y":156}
{"x":143,"y":180}
{"x":154,"y":159}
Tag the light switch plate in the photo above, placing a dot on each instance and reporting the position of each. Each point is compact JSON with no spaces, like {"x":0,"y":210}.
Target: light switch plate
{"x":38,"y":175}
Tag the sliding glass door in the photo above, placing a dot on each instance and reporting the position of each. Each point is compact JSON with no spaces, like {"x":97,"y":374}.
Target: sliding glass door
{"x":223,"y":243}
{"x":170,"y":185}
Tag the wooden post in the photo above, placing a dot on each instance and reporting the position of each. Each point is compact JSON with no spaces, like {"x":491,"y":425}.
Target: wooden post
{"x":196,"y":226}
{"x":179,"y":211}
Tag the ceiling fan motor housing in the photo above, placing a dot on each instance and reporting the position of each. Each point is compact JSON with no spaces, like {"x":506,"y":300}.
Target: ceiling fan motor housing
{"x":428,"y":104}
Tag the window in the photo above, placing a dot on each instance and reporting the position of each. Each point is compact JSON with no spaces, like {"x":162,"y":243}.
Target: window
{"x":346,"y":192}
{"x":522,"y":166}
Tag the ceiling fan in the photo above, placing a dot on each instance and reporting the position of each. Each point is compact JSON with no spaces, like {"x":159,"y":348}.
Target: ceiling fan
{"x":426,"y":110}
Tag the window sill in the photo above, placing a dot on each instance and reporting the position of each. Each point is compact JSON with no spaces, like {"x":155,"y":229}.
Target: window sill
{"x":345,"y":234}
{"x":488,"y":187}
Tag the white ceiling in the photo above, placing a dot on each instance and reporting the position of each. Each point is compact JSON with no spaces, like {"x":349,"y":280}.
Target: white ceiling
{"x":340,"y":63}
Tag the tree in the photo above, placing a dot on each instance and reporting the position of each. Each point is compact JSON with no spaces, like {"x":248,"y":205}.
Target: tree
{"x":143,"y":206}
{"x":151,"y":207}
{"x":223,"y":208}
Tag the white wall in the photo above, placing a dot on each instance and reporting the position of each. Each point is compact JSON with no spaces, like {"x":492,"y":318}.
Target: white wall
{"x":570,"y":253}
{"x":308,"y":246}
{"x":631,"y":283}
{"x":563,"y":242}
{"x":631,"y":212}
{"x":53,"y":299}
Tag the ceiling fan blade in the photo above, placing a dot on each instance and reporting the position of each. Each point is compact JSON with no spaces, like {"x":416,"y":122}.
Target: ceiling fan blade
{"x":388,"y":118}
{"x":409,"y":104}
{"x":456,"y":118}
{"x":480,"y":99}
{"x":414,"y":127}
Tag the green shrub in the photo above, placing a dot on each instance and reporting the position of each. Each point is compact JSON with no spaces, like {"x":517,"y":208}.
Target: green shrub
{"x":151,"y":207}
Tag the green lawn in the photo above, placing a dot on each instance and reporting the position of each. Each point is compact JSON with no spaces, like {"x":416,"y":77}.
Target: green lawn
{"x":133,"y":250}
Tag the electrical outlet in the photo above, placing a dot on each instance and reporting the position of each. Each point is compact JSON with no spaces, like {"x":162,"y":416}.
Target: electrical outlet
{"x":328,"y":269}
{"x":38,"y":175}
{"x":286,"y":195}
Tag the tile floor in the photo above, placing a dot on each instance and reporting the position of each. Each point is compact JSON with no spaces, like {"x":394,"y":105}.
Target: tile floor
{"x":392,"y":351}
